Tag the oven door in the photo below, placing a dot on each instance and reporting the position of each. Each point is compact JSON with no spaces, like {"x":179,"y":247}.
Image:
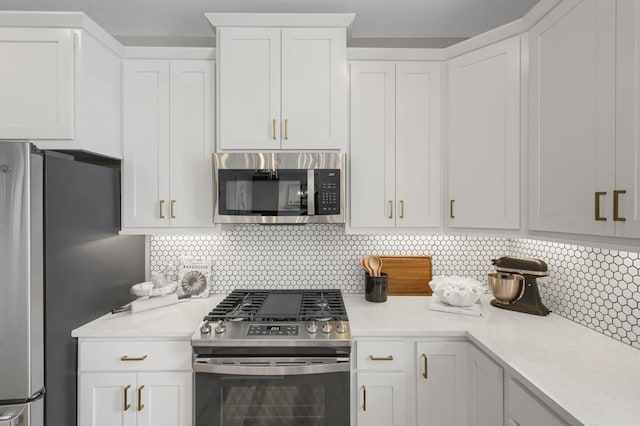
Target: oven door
{"x":273,"y":392}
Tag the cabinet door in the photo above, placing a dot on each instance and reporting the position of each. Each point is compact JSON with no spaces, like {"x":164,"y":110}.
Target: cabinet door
{"x":571,"y":112}
{"x":381,"y":399}
{"x":313,"y":88}
{"x":164,"y":399}
{"x":249,"y":88}
{"x":484,"y":137}
{"x":485,"y":390}
{"x":191,"y":144}
{"x":524,"y":409}
{"x":372,"y":159}
{"x":418,"y":144}
{"x":36,"y":83}
{"x":145,"y":166}
{"x":628,"y":117}
{"x":442,"y":383}
{"x":107,"y":399}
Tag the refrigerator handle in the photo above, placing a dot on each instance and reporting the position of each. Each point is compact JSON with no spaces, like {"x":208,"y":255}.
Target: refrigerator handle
{"x":11,"y":419}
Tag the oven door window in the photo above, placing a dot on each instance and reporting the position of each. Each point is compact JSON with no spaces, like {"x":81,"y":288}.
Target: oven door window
{"x":291,"y":400}
{"x":262,"y":192}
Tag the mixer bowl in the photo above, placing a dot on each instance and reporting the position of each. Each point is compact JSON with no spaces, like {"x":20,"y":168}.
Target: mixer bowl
{"x":506,"y":288}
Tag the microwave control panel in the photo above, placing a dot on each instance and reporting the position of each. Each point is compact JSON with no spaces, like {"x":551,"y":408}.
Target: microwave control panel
{"x":327,"y":191}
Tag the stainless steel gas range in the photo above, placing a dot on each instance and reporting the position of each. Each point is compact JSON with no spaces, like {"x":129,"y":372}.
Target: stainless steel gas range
{"x":273,"y":357}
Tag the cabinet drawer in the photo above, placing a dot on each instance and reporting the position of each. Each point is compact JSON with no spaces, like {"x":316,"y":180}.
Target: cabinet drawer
{"x":118,"y":355}
{"x":381,"y":355}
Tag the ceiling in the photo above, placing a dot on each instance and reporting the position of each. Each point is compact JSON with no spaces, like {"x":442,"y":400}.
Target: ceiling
{"x":410,"y":23}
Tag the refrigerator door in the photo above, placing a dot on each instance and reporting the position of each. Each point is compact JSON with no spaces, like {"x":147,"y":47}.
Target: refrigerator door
{"x":21,"y":276}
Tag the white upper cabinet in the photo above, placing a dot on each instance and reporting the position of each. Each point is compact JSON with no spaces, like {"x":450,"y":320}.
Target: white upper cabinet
{"x":36,"y":83}
{"x":628,"y":119}
{"x":583,"y":115}
{"x":282,"y":88}
{"x":61,"y":88}
{"x":484,"y":137}
{"x":168,"y":144}
{"x":395,"y":145}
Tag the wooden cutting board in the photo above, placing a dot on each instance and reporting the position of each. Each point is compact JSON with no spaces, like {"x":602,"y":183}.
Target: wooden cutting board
{"x":408,"y":275}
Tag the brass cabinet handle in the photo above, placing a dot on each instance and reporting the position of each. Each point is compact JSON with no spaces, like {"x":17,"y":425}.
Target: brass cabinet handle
{"x":173,"y":205}
{"x":161,"y":213}
{"x":425,"y":373}
{"x":384,"y":358}
{"x":364,"y":398}
{"x":597,"y":213}
{"x":286,"y":128}
{"x":273,"y":127}
{"x":390,"y":209}
{"x":140,"y":404}
{"x":451,"y":209}
{"x":126,"y":402}
{"x":127,"y":358}
{"x":401,"y":209}
{"x":616,"y":211}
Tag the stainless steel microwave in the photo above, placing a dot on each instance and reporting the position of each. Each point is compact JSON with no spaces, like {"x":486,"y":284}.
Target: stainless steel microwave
{"x":279,"y":187}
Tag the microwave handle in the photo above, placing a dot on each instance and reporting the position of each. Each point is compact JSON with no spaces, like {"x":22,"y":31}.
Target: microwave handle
{"x":311,"y":191}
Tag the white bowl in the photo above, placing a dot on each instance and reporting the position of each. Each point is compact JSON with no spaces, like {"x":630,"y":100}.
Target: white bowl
{"x":148,"y":289}
{"x":456,"y":299}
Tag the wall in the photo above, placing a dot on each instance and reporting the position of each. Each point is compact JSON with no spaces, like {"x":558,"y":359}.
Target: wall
{"x":597,"y":288}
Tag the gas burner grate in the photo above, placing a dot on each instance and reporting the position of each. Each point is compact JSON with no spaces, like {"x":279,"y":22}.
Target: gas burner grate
{"x":240,"y":305}
{"x":249,"y":305}
{"x":323,"y":305}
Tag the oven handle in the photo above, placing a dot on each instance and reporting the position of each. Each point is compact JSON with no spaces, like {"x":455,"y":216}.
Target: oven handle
{"x":262,"y":370}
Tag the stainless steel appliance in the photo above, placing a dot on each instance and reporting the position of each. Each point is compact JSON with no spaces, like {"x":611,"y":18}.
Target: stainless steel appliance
{"x":273,"y":358}
{"x":515,"y":285}
{"x":62,"y":263}
{"x":279,"y":187}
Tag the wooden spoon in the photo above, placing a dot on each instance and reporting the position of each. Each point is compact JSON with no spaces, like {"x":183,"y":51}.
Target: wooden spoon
{"x":367,"y":266}
{"x":376,"y":265}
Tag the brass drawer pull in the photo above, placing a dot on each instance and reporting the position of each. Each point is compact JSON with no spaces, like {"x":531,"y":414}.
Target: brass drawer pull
{"x":126,"y":402}
{"x":597,"y":213}
{"x":384,"y":358}
{"x":286,"y":128}
{"x":161,"y":213}
{"x":401,"y":209}
{"x":173,"y":206}
{"x":616,"y":211}
{"x":364,"y":397}
{"x":451,"y":209}
{"x":390,"y":209}
{"x":425,"y":373}
{"x":127,"y":358}
{"x":140,"y":404}
{"x":273,"y":127}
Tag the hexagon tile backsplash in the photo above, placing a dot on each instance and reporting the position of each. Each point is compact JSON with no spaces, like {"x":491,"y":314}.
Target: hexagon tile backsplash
{"x":597,"y":288}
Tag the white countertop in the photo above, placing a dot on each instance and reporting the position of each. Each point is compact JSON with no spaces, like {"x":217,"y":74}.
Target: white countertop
{"x":592,"y":377}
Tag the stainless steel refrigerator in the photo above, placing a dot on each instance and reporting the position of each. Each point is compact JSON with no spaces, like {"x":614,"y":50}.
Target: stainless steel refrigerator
{"x":62,"y":263}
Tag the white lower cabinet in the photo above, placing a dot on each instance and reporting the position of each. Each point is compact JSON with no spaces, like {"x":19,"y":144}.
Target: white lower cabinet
{"x":381,"y":399}
{"x":381,"y":391}
{"x":133,"y":383}
{"x":524,"y":409}
{"x":441,"y":383}
{"x":486,"y":391}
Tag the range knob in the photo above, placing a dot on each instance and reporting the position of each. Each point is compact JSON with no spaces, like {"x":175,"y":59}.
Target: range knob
{"x":221,"y":328}
{"x":326,"y":328}
{"x":205,"y":328}
{"x":312,"y":327}
{"x":341,"y":328}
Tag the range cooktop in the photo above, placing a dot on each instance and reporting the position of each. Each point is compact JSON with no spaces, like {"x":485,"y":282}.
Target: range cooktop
{"x":276,"y":317}
{"x":280,"y":305}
